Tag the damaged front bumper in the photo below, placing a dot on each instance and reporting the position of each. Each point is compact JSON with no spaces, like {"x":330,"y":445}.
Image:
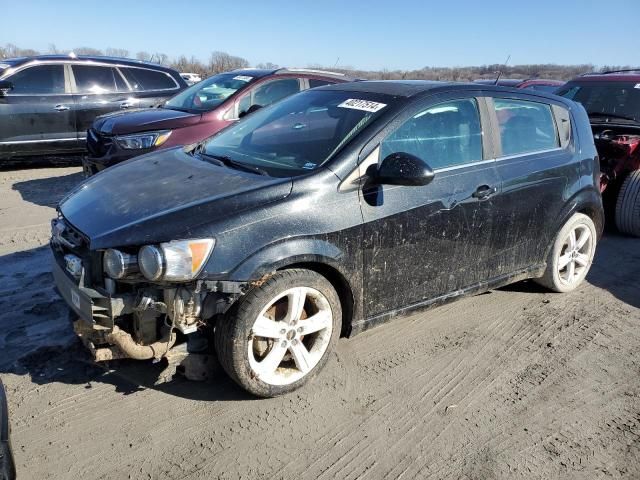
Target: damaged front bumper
{"x":149,"y":322}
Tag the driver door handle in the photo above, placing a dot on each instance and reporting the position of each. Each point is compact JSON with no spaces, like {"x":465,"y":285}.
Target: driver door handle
{"x":484,"y":191}
{"x":61,"y":108}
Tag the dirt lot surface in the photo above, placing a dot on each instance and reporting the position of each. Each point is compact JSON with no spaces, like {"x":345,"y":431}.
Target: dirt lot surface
{"x":516,"y":383}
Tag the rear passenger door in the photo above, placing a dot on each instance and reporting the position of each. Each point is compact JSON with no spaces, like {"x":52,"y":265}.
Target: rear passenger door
{"x":36,"y":115}
{"x":98,"y":89}
{"x":534,"y":162}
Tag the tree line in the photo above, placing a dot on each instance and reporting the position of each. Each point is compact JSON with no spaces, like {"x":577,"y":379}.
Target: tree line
{"x":222,"y":62}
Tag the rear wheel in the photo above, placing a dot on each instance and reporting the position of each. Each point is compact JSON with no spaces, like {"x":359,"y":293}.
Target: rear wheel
{"x":571,"y":255}
{"x":280,"y":334}
{"x":628,"y":205}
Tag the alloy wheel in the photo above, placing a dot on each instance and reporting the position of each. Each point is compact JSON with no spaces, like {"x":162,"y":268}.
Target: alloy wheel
{"x":290,"y":336}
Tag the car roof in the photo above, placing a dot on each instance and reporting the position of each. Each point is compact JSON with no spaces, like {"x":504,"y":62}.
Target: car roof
{"x":514,"y":82}
{"x":305,"y":72}
{"x":613,"y":76}
{"x":14,"y":62}
{"x":410,"y":88}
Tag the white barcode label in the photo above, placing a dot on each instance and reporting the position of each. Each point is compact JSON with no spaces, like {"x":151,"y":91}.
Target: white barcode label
{"x":364,"y":105}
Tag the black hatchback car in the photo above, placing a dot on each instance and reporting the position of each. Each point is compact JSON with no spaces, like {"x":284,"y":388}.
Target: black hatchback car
{"x":48,"y":102}
{"x":327,"y":213}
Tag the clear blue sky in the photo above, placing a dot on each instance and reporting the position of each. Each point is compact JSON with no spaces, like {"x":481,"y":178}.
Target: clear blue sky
{"x":396,"y":34}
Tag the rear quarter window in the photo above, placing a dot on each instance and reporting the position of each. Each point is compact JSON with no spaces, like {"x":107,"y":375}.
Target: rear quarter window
{"x":525,"y":126}
{"x":315,"y":82}
{"x":145,"y":79}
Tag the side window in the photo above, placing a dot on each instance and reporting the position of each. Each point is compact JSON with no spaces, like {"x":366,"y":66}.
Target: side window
{"x":145,"y":79}
{"x":97,"y":79}
{"x":42,"y":79}
{"x":525,"y":126}
{"x":444,"y":135}
{"x":271,"y":92}
{"x":244,"y":103}
{"x":314,"y":82}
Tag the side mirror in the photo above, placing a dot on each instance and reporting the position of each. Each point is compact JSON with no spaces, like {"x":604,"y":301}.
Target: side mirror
{"x":5,"y":86}
{"x":251,"y":109}
{"x":403,"y":169}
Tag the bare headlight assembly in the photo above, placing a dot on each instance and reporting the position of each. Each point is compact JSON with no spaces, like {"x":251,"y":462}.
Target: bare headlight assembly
{"x":118,"y":264}
{"x":175,"y":261}
{"x":143,"y":140}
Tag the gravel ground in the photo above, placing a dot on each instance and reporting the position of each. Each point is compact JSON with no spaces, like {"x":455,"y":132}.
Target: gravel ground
{"x":515,"y":383}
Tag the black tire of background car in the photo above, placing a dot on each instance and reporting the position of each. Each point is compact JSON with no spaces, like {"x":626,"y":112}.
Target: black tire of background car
{"x":550,"y":279}
{"x":233,"y":331}
{"x":628,"y":205}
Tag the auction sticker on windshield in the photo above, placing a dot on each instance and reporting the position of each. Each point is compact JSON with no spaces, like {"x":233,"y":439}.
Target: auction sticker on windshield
{"x":364,"y":105}
{"x":243,"y":78}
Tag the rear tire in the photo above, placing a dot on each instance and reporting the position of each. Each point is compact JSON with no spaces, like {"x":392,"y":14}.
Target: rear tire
{"x":571,"y":255}
{"x":280,"y":334}
{"x":628,"y":205}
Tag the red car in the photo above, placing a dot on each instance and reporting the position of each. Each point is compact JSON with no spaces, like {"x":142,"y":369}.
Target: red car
{"x":195,"y":113}
{"x":612,"y":100}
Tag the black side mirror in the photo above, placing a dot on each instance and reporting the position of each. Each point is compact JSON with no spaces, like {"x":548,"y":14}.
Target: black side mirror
{"x":403,"y":169}
{"x":251,"y":109}
{"x":5,"y":86}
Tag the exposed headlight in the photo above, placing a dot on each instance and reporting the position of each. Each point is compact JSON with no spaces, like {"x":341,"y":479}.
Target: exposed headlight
{"x":177,"y":261}
{"x":118,"y":264}
{"x":143,"y":140}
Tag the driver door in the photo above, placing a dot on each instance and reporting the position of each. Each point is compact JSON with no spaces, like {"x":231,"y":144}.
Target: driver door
{"x":422,"y":243}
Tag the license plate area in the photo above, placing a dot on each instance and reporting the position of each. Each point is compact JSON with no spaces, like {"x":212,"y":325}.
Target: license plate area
{"x":79,"y":301}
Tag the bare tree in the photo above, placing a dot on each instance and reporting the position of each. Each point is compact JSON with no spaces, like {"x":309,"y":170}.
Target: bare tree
{"x":87,"y":51}
{"x":268,"y":66}
{"x":144,"y":56}
{"x":160,"y":58}
{"x":223,"y":62}
{"x":117,"y":52}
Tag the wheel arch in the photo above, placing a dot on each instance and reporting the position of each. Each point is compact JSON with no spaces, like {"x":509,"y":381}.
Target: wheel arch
{"x":318,"y":255}
{"x":586,"y":201}
{"x":341,"y":285}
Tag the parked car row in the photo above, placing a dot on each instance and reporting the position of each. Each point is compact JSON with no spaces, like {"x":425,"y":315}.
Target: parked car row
{"x":325,"y":214}
{"x":195,"y":113}
{"x":191,"y":78}
{"x":48,"y":102}
{"x":276,"y":210}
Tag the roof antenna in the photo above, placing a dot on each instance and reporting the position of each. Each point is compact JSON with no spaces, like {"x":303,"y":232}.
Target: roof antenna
{"x":504,"y":66}
{"x":335,"y":64}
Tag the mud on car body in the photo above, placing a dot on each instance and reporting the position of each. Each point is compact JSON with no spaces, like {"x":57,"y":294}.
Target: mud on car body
{"x":323,"y":215}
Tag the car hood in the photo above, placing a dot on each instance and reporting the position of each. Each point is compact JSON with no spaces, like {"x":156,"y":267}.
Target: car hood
{"x":164,"y":196}
{"x":143,"y":120}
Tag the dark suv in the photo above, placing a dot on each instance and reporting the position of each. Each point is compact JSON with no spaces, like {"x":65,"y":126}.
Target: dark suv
{"x":612,"y":100}
{"x":196,"y":113}
{"x":327,"y":213}
{"x":47,"y":102}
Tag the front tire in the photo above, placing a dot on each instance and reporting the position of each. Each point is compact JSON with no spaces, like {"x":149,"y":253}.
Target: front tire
{"x":280,"y":334}
{"x":628,"y":205}
{"x":571,"y":255}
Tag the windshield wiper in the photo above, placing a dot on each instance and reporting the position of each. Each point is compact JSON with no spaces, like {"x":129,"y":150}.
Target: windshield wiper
{"x":224,"y":160}
{"x":611,"y":115}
